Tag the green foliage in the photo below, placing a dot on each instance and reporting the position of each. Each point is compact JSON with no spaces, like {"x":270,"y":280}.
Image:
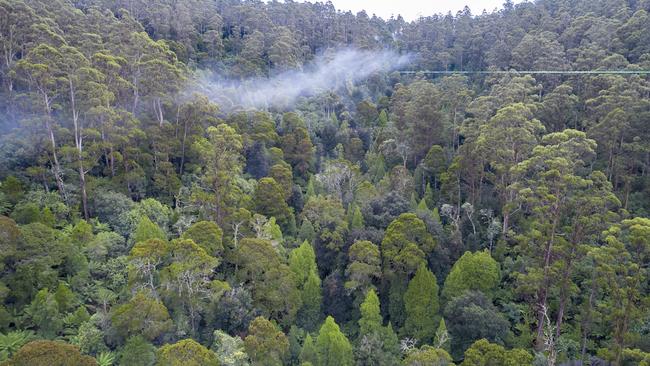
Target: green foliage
{"x":45,"y":314}
{"x":229,"y":350}
{"x":371,"y":320}
{"x":207,"y":235}
{"x":265,"y":343}
{"x":483,"y":353}
{"x":138,"y":351}
{"x":146,"y":230}
{"x":220,"y":156}
{"x":186,"y":352}
{"x":363,"y":268}
{"x":50,"y":353}
{"x":422,"y":305}
{"x":302,"y":262}
{"x":473,"y":271}
{"x":274,"y":288}
{"x":105,"y":359}
{"x":404,"y":249}
{"x":143,"y":316}
{"x":333,"y":346}
{"x":471,"y":317}
{"x":309,"y":352}
{"x":12,"y":341}
{"x":270,"y":201}
{"x":135,"y":213}
{"x":428,"y":355}
{"x":405,"y":243}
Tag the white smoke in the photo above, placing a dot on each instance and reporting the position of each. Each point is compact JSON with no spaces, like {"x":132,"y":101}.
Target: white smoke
{"x":327,"y":72}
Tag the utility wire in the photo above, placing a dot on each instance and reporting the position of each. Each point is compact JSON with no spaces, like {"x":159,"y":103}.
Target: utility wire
{"x":515,"y":72}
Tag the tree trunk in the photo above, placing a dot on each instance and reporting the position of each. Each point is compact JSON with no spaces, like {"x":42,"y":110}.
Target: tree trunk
{"x":543,"y":291}
{"x":50,"y":131}
{"x":78,"y":141}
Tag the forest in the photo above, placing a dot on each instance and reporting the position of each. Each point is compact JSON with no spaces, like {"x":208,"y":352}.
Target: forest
{"x":247,"y":182}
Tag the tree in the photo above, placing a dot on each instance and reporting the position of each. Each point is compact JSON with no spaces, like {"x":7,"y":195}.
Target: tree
{"x":364,"y":268}
{"x":265,"y":343}
{"x":146,"y":230}
{"x":11,"y":342}
{"x":41,"y":68}
{"x":518,"y":131}
{"x":327,"y":215}
{"x":50,"y":353}
{"x":421,"y":304}
{"x":473,"y":271}
{"x":377,"y":344}
{"x":403,"y":250}
{"x":138,"y":351}
{"x":284,"y":177}
{"x":185,"y":280}
{"x":309,"y":353}
{"x":556,"y":186}
{"x":441,"y":340}
{"x":207,"y":235}
{"x":484,"y":353}
{"x":333,"y":346}
{"x":142,"y":316}
{"x":296,"y":144}
{"x":617,"y":271}
{"x":471,"y":317}
{"x":220,"y":155}
{"x":229,"y":350}
{"x":371,"y":320}
{"x":302,"y":262}
{"x":405,"y":243}
{"x":186,"y":352}
{"x":146,"y":257}
{"x":415,"y":109}
{"x":270,"y":201}
{"x":272,"y":283}
{"x":428,"y":355}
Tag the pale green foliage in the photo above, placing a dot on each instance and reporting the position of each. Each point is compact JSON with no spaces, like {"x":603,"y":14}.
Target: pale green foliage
{"x":484,"y":353}
{"x":333,"y":346}
{"x":472,"y":271}
{"x":370,"y":320}
{"x":186,"y":352}
{"x":229,"y":350}
{"x":12,"y":341}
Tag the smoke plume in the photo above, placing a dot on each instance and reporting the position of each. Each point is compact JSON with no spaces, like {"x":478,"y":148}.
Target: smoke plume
{"x":326,"y":72}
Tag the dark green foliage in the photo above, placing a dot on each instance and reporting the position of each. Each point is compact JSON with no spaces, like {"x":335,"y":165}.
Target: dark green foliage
{"x":471,"y":317}
{"x":269,"y":200}
{"x":148,"y":210}
{"x":137,"y":351}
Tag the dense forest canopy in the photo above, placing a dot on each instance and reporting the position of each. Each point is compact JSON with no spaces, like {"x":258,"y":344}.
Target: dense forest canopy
{"x":235,"y":182}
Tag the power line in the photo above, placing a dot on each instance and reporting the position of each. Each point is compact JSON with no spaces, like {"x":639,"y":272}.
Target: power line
{"x":515,"y":72}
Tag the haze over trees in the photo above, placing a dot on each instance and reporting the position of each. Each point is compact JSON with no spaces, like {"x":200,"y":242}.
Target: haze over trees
{"x":387,"y":219}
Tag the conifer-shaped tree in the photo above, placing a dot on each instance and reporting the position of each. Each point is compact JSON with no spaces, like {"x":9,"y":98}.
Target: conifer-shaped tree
{"x":421,"y":305}
{"x":334,"y":348}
